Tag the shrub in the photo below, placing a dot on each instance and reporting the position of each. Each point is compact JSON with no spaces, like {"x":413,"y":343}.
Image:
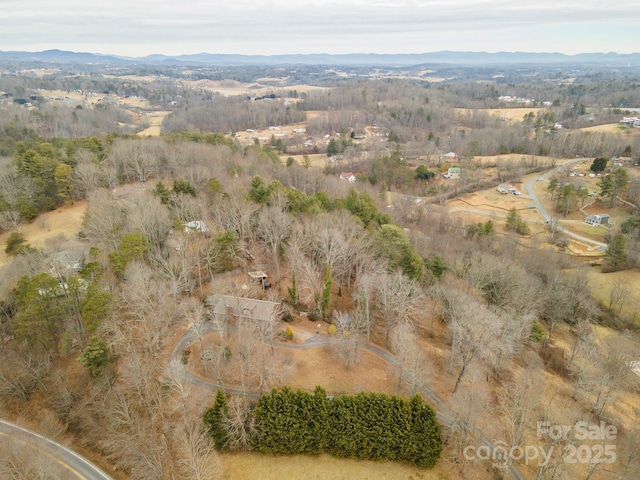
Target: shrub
{"x":537,"y":332}
{"x":288,"y":333}
{"x":16,"y":244}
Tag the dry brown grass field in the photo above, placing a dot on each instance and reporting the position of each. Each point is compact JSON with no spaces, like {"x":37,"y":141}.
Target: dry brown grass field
{"x":65,"y":221}
{"x":602,"y":284}
{"x":241,"y":466}
{"x":513,"y":113}
{"x":613,"y":128}
{"x":155,"y":123}
{"x":233,"y":87}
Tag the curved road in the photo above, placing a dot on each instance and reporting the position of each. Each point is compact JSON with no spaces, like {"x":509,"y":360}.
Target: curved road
{"x":442,"y":412}
{"x":547,"y":218}
{"x":77,"y":467}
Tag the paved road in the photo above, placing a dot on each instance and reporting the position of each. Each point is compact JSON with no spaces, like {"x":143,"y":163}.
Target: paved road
{"x":547,"y":218}
{"x":75,"y":466}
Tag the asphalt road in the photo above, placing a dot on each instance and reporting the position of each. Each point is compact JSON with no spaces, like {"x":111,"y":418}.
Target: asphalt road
{"x":545,"y":215}
{"x":74,"y":466}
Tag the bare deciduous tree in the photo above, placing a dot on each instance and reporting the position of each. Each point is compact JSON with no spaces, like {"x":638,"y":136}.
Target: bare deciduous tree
{"x":197,"y":458}
{"x":398,"y":299}
{"x":274,"y":227}
{"x":413,"y":365}
{"x":346,"y":338}
{"x":473,"y":329}
{"x":518,"y":402}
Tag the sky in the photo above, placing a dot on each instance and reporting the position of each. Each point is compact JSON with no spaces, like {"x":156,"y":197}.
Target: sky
{"x":170,"y":27}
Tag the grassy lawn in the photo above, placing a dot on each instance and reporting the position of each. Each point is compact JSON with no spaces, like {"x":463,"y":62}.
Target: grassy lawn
{"x":596,"y":233}
{"x":602,"y":283}
{"x":239,"y":466}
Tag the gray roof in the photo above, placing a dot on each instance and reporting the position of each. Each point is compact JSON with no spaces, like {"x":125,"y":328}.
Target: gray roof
{"x":243,"y":307}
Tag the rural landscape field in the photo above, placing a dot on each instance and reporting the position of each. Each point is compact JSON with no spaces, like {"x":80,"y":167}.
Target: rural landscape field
{"x":319,"y":271}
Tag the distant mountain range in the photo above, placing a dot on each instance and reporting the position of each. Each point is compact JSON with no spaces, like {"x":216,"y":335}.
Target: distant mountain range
{"x":351,"y":59}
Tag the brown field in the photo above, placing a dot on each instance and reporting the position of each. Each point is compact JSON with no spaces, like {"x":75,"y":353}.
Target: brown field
{"x":601,"y":285}
{"x":232,"y":87}
{"x":613,"y":128}
{"x":308,"y":367}
{"x":65,"y":221}
{"x":155,"y":122}
{"x":240,"y":466}
{"x":134,"y":78}
{"x":514,"y":113}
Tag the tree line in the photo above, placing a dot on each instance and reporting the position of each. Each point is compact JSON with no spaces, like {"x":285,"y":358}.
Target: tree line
{"x":365,"y":426}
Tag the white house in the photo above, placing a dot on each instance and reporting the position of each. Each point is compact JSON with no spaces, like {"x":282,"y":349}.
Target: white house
{"x":631,"y":121}
{"x":347,"y":177}
{"x":449,"y":157}
{"x":453,"y":172}
{"x":505,"y":188}
{"x":602,"y":219}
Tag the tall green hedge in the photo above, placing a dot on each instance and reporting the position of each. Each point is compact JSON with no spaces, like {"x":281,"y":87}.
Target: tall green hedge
{"x":372,"y":426}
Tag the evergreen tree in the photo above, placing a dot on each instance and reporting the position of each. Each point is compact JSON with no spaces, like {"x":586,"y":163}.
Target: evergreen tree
{"x":616,"y":256}
{"x":293,"y":290}
{"x":133,"y":246}
{"x":42,"y":310}
{"x":216,"y":420}
{"x":599,"y":164}
{"x":183,"y":187}
{"x":162,"y":192}
{"x":95,"y":356}
{"x":368,"y":426}
{"x":16,"y":244}
{"x":259,"y":191}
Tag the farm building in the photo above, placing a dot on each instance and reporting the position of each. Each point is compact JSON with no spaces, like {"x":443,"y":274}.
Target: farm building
{"x":226,"y":308}
{"x":602,"y":219}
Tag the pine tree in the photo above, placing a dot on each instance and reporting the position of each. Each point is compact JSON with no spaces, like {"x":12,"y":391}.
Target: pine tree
{"x":95,"y":356}
{"x":616,"y":256}
{"x":293,"y":290}
{"x":216,"y":419}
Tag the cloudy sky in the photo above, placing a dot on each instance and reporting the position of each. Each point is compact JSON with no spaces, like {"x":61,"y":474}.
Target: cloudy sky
{"x":141,"y":27}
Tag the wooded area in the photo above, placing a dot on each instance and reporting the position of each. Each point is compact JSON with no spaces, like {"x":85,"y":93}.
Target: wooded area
{"x":109,"y":338}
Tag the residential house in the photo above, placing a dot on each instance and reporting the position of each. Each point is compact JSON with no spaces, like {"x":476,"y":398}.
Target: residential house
{"x":453,"y":173}
{"x":227,"y":308}
{"x":505,"y":188}
{"x":631,"y":121}
{"x":449,"y":157}
{"x":602,"y":219}
{"x":347,"y":177}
